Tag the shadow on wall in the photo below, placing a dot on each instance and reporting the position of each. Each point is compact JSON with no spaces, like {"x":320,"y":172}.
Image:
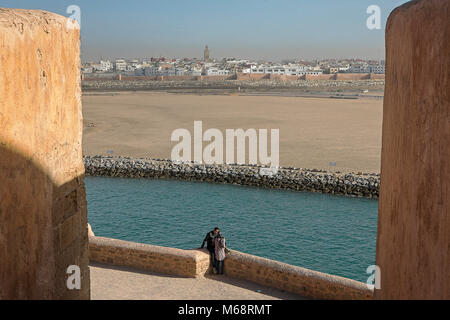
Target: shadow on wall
{"x":40,"y":231}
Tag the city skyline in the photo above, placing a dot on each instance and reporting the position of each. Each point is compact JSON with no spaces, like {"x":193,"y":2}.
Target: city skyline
{"x":260,"y":30}
{"x":201,"y":57}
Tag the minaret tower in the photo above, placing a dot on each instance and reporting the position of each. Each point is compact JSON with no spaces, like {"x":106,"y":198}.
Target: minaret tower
{"x":206,"y":55}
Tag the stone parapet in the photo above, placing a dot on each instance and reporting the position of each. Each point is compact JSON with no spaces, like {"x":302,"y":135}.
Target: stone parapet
{"x":304,"y":282}
{"x":185,"y":263}
{"x":196,"y":263}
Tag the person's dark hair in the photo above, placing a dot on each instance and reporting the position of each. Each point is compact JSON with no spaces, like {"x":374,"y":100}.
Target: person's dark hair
{"x":216,"y":228}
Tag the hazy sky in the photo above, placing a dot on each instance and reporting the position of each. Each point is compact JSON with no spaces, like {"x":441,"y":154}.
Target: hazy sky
{"x":259,"y":29}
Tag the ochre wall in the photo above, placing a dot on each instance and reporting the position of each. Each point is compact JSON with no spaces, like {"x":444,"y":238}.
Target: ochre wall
{"x":319,"y":77}
{"x":42,"y":206}
{"x":353,"y":76}
{"x":374,"y":76}
{"x":304,"y":282}
{"x":185,"y":263}
{"x":252,"y":76}
{"x":413,"y":244}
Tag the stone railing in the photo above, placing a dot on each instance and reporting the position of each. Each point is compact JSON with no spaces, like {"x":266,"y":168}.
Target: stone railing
{"x":184,"y":263}
{"x":301,"y":281}
{"x":196,"y":263}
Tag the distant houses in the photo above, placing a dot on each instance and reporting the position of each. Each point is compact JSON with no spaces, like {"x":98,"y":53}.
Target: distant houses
{"x":228,"y":66}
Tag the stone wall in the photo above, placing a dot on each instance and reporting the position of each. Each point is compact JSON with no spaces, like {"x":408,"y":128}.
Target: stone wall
{"x":320,"y":77}
{"x":374,"y":76}
{"x":304,"y":282}
{"x":252,"y":76}
{"x":185,"y":263}
{"x":413,"y":245}
{"x":354,"y":76}
{"x":43,"y":207}
{"x":196,"y":263}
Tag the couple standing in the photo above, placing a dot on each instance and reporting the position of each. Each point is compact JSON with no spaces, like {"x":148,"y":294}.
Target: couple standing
{"x":215,"y":243}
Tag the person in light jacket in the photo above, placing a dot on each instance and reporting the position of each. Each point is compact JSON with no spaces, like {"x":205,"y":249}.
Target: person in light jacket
{"x":220,"y":251}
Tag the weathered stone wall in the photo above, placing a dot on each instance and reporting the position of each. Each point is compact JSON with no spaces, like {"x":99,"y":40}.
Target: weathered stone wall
{"x":304,"y":282}
{"x":355,"y":76}
{"x":375,"y":76}
{"x":42,"y":206}
{"x":195,"y":263}
{"x":413,"y":245}
{"x":252,"y":76}
{"x":321,"y":77}
{"x":185,"y":263}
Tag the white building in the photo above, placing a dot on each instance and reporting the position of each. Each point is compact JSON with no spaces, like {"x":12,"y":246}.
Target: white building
{"x":236,"y":62}
{"x":312,"y":72}
{"x":377,"y":69}
{"x":359,"y":68}
{"x":217,"y":72}
{"x":168,"y":72}
{"x":193,"y":72}
{"x":171,"y":72}
{"x":102,"y":66}
{"x":180,"y":71}
{"x":87,"y":69}
{"x":96,"y":67}
{"x":139,"y":72}
{"x":121,"y":65}
{"x":282,"y":70}
{"x":106,"y":65}
{"x":152,"y":71}
{"x":344,"y":68}
{"x":135,"y":64}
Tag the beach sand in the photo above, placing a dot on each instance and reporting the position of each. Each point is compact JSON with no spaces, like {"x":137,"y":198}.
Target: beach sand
{"x":314,"y":132}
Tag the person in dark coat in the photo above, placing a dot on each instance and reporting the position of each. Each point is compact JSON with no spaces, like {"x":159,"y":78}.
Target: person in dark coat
{"x":209,"y":240}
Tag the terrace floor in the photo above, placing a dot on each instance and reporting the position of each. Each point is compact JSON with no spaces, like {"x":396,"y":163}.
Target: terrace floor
{"x":118,"y":283}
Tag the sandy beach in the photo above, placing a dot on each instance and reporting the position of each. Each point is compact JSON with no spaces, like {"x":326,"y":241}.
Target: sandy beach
{"x":314,"y":132}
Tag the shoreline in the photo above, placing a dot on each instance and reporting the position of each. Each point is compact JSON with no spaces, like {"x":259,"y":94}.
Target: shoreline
{"x":364,"y":185}
{"x":315,"y":131}
{"x":252,"y":93}
{"x":235,"y":86}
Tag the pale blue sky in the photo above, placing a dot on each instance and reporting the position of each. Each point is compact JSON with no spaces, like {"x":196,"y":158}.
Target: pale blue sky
{"x":260,"y":29}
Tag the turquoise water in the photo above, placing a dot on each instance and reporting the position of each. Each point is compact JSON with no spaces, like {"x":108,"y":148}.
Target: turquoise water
{"x":332,"y":234}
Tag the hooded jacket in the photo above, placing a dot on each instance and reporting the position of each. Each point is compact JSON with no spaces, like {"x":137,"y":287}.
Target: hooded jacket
{"x":209,"y":240}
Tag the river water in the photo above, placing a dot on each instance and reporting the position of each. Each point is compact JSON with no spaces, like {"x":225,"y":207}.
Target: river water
{"x":331,"y":234}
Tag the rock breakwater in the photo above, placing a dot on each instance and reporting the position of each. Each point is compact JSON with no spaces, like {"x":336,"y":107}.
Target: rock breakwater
{"x":144,"y":85}
{"x":311,"y":180}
